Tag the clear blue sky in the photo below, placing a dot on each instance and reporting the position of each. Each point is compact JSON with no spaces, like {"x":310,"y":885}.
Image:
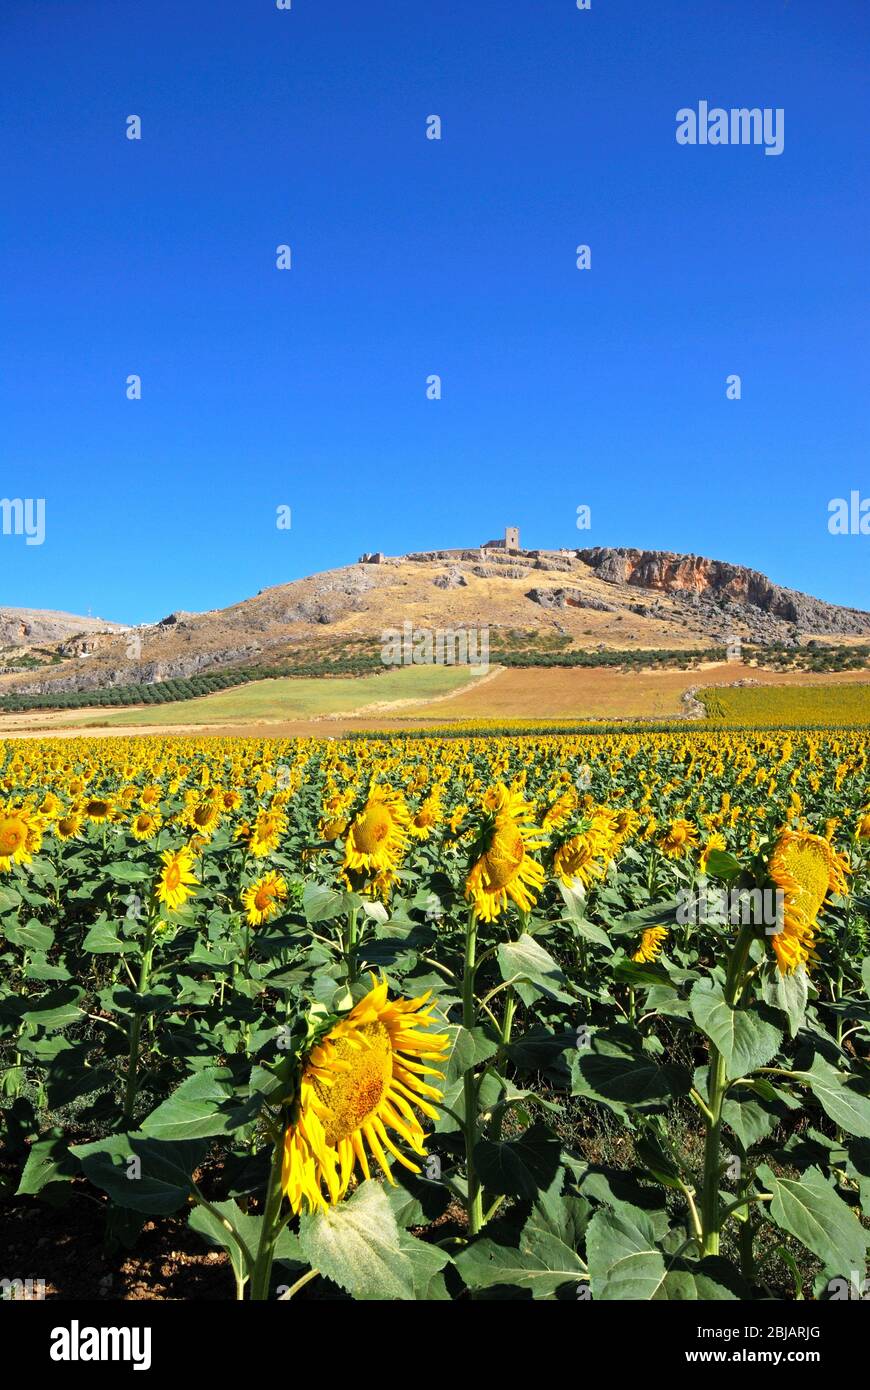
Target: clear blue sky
{"x":410,"y":257}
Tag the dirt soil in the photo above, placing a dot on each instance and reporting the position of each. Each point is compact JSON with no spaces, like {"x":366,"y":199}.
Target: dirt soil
{"x":65,"y":1248}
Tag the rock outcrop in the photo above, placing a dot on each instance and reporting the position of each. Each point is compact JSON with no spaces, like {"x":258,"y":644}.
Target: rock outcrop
{"x":746,"y":589}
{"x":569,"y":598}
{"x":33,"y":627}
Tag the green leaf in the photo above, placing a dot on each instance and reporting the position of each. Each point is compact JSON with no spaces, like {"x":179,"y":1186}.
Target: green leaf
{"x":788,"y":993}
{"x":542,"y":1050}
{"x":714,"y":1278}
{"x":545,"y":1257}
{"x":846,"y":1107}
{"x":202,"y":1106}
{"x":652,"y":1155}
{"x":228,"y":1227}
{"x":9,"y":900}
{"x":641,"y":974}
{"x":56,"y":1009}
{"x":103,"y":939}
{"x":125,"y":872}
{"x":35,"y":936}
{"x":541,"y":1268}
{"x":575,"y":913}
{"x":415,"y":1200}
{"x":743,"y":1037}
{"x":611,"y":1071}
{"x":519,"y":1167}
{"x":624,"y":1260}
{"x":721,"y":864}
{"x":427,"y":1262}
{"x":321,"y":904}
{"x":470,"y":1047}
{"x":157,"y":999}
{"x":357,"y":1244}
{"x":633,"y":923}
{"x":68,"y":1074}
{"x":749,"y":1117}
{"x":141,"y":1174}
{"x":39,"y":969}
{"x":48,"y":1161}
{"x":811,"y":1211}
{"x":525,"y":962}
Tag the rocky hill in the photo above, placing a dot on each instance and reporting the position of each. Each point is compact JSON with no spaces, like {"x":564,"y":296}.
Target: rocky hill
{"x":607,"y":598}
{"x":745,"y":592}
{"x":33,"y":627}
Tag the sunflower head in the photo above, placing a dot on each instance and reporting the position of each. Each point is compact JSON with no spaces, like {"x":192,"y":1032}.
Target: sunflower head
{"x":805,"y":868}
{"x":145,"y":825}
{"x":651,"y":943}
{"x":679,"y":838}
{"x":714,"y":841}
{"x":426,"y":818}
{"x":378,"y":836}
{"x":502,"y":866}
{"x":68,"y":825}
{"x":265,"y":835}
{"x":16,"y":838}
{"x":177,"y":881}
{"x":262,"y":900}
{"x":358,"y":1091}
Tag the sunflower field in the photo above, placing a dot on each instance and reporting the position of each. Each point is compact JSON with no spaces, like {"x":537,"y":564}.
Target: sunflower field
{"x":555,"y":1016}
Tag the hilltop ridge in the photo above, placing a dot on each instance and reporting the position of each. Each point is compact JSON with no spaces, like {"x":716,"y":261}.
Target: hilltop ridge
{"x":605,"y":598}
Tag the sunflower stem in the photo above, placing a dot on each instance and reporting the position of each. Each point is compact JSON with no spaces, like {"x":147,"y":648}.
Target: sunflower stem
{"x":717,"y":1086}
{"x":261,"y":1277}
{"x":130,"y":1089}
{"x":350,"y":946}
{"x":474,"y":1199}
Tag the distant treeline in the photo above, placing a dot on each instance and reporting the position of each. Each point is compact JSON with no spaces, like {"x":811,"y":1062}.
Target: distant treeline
{"x":185,"y":688}
{"x":634,"y":659}
{"x":369,"y":662}
{"x":777,"y":655}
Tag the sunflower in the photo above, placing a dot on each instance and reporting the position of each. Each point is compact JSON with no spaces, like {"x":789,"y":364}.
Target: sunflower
{"x":862,"y":829}
{"x":332,"y":829}
{"x":358,"y":1082}
{"x":679,"y":838}
{"x":201,"y":814}
{"x":378,"y":837}
{"x":176,"y":878}
{"x":98,"y":809}
{"x":558,"y":812}
{"x":581,"y":859}
{"x":68,"y":826}
{"x":51,"y":806}
{"x":15,"y":838}
{"x":503,"y":866}
{"x":262,"y":900}
{"x":714,"y":841}
{"x":805,"y":868}
{"x":146,"y":825}
{"x":651,"y":943}
{"x":333,"y":821}
{"x":627,"y":822}
{"x":266,"y":832}
{"x":424,"y":820}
